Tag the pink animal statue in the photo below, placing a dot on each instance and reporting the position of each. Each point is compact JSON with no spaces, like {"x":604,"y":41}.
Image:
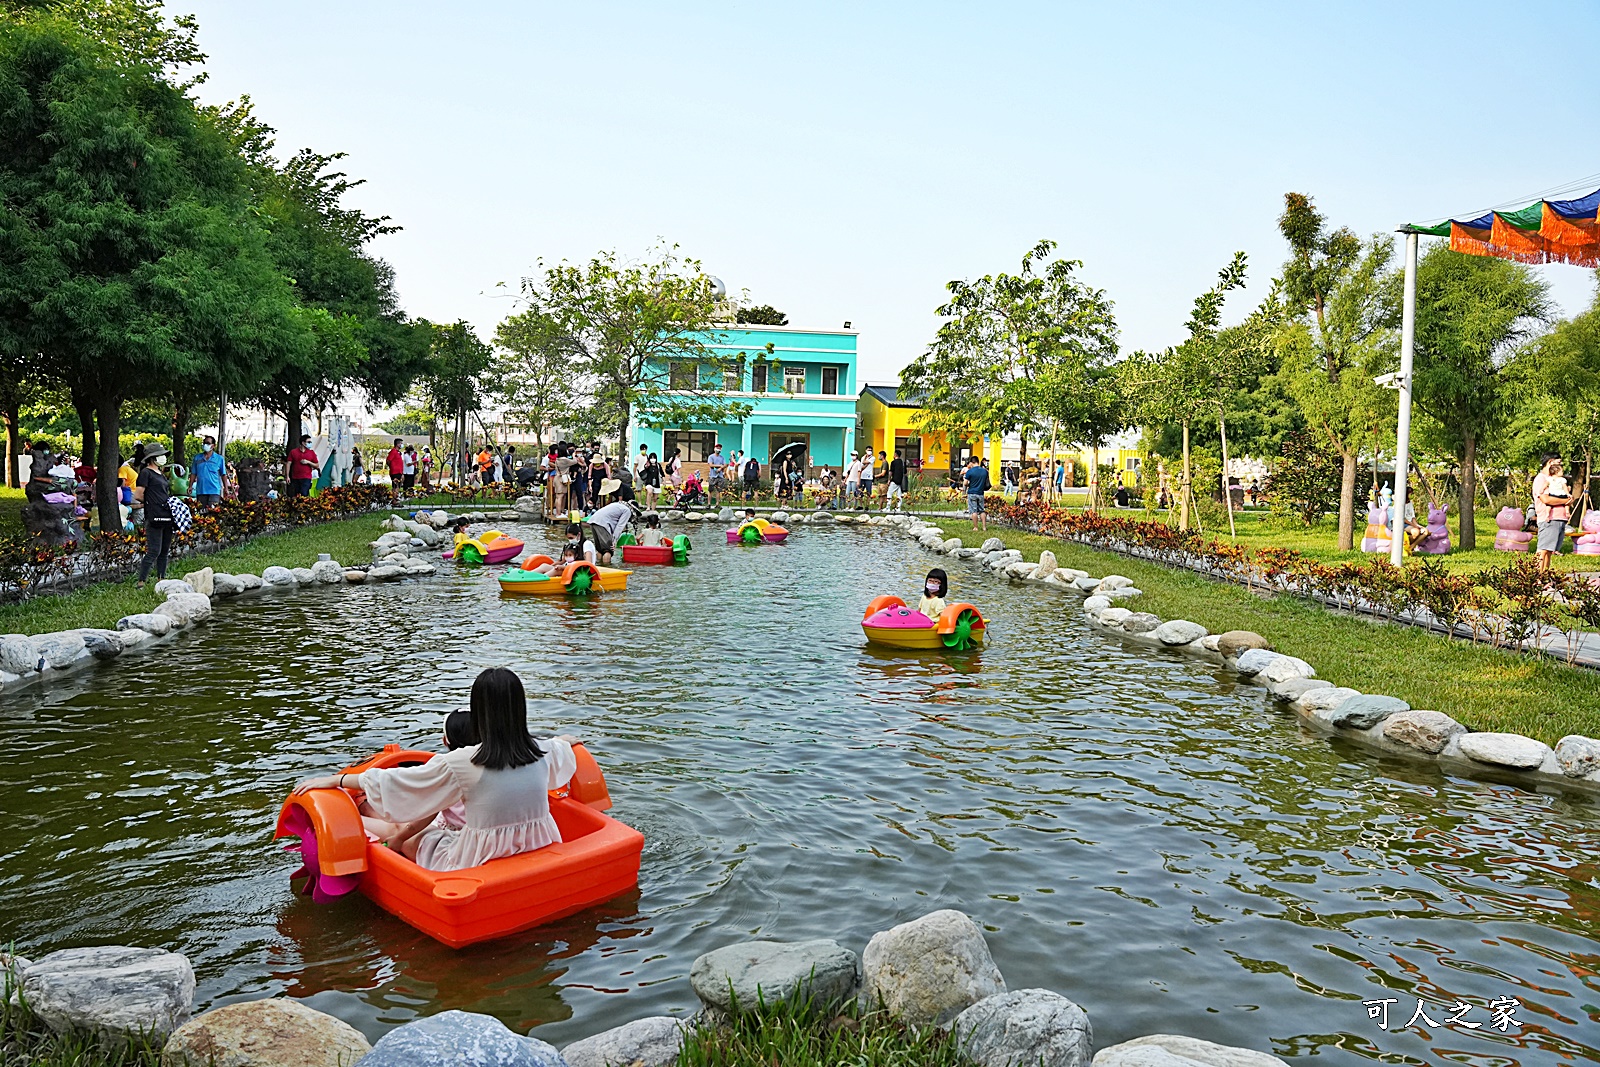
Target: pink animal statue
{"x":1435,"y":540}
{"x":1511,"y":538}
{"x":1589,"y":539}
{"x":1377,"y":536}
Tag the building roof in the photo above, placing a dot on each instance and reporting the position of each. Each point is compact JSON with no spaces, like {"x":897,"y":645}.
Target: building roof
{"x":890,"y":397}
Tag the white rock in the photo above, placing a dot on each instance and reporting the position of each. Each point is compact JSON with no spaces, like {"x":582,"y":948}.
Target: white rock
{"x":278,"y":577}
{"x":20,"y":655}
{"x":1021,"y":569}
{"x":993,"y":544}
{"x":1324,"y":700}
{"x":327,"y":571}
{"x":1023,"y":1028}
{"x":1047,"y":564}
{"x":385,"y":572}
{"x":951,"y":544}
{"x":1209,"y":642}
{"x":154,"y":625}
{"x":249,"y":581}
{"x":1115,"y":581}
{"x":167,"y":586}
{"x":1252,"y":660}
{"x":1122,"y":592}
{"x":59,"y":650}
{"x":1086,"y":583}
{"x":1504,"y":750}
{"x":1170,"y":1050}
{"x":200,"y":580}
{"x":111,"y":990}
{"x":174,"y":611}
{"x":303,"y":575}
{"x":652,"y":1042}
{"x":1179,"y":632}
{"x":198,"y":607}
{"x":225,"y":585}
{"x":927,"y":971}
{"x":1096,"y":604}
{"x":1113,"y":616}
{"x":1283,"y":668}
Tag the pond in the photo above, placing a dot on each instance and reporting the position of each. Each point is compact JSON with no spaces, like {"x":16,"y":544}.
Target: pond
{"x":1132,"y":829}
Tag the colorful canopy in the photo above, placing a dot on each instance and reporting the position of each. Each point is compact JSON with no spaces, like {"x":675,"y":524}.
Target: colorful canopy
{"x":1546,"y":231}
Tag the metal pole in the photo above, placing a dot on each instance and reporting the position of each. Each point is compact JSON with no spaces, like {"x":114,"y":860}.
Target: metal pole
{"x":1402,"y":447}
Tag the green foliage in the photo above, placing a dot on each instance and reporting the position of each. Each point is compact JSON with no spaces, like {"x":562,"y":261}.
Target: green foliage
{"x":459,"y":359}
{"x":537,"y":380}
{"x":1304,"y":482}
{"x":765,"y":315}
{"x":413,"y":420}
{"x":802,"y":1035}
{"x":1554,"y":391}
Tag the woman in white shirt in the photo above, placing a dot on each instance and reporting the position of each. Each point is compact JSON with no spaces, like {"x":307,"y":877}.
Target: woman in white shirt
{"x":503,"y":784}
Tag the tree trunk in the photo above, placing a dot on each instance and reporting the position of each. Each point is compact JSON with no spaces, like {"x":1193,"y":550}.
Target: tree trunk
{"x":107,"y":495}
{"x":1347,"y":500}
{"x":1183,"y":489}
{"x":1469,"y":489}
{"x":85,"y":409}
{"x":1094,"y":479}
{"x":180,"y":431}
{"x":1050,"y":491}
{"x":13,"y":445}
{"x":291,"y":429}
{"x":1227,"y":492}
{"x":622,"y":429}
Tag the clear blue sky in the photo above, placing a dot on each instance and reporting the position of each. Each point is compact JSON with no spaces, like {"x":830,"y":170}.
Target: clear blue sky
{"x":843,"y":161}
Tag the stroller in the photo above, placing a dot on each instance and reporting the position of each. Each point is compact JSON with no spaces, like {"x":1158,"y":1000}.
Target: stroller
{"x":693,"y":494}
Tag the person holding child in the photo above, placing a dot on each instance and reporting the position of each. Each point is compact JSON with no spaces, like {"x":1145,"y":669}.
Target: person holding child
{"x":1552,"y":507}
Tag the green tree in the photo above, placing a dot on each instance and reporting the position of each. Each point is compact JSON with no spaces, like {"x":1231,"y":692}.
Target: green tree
{"x":1554,"y":388}
{"x":1472,"y":311}
{"x":1340,"y":296}
{"x":538,"y":380}
{"x":627,"y":324}
{"x":765,"y":315}
{"x":457,"y":362}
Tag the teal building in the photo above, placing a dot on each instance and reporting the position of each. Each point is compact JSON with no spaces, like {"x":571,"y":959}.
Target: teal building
{"x":803,"y":392}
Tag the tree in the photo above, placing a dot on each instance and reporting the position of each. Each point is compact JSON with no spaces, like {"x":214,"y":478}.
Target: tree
{"x":1471,"y":313}
{"x":457,"y":361}
{"x":1002,"y":336}
{"x":1555,"y":392}
{"x":765,"y":315}
{"x":537,"y":380}
{"x":627,"y":324}
{"x":1306,"y":479}
{"x":1343,"y":315}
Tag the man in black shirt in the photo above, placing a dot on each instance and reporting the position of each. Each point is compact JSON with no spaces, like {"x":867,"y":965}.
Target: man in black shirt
{"x":894,"y":498}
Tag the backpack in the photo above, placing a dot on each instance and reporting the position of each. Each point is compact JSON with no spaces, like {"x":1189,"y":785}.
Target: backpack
{"x":182,"y":517}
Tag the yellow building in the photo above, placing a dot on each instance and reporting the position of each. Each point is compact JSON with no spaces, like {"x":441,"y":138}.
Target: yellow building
{"x":885,"y":422}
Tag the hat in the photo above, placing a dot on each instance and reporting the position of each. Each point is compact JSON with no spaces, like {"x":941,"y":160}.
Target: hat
{"x":609,"y":486}
{"x":152,"y":450}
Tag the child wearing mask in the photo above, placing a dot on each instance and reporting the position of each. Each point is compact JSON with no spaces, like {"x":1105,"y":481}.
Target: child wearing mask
{"x":934,"y":591}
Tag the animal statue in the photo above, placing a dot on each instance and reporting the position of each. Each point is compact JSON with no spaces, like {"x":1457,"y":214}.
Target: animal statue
{"x":1511,"y":536}
{"x":1435,"y":540}
{"x":1377,"y":537}
{"x":1589,"y":539}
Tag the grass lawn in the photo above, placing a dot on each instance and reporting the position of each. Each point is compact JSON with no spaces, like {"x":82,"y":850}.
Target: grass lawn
{"x":1483,"y":688}
{"x":11,"y":503}
{"x":102,"y":604}
{"x":802,"y":1036}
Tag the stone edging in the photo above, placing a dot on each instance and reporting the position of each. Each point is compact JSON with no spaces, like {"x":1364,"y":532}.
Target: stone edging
{"x":1382,"y":723}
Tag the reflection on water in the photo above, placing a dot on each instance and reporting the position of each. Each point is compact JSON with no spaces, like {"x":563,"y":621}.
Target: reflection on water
{"x":1130,"y":829}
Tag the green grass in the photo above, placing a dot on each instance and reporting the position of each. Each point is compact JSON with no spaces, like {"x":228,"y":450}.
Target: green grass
{"x":1481,"y":687}
{"x":26,"y":1042}
{"x":11,"y":502}
{"x":102,"y":604}
{"x":801,"y":1036}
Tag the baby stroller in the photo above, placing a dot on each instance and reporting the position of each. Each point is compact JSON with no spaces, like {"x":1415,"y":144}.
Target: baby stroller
{"x":693,"y":494}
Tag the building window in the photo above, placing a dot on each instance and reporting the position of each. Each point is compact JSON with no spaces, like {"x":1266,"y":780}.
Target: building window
{"x":909,"y":448}
{"x":733,"y":377}
{"x":830,"y":381}
{"x":696,"y":444}
{"x":681,"y":375}
{"x":758,"y":378}
{"x":1132,"y":464}
{"x":794,"y":379}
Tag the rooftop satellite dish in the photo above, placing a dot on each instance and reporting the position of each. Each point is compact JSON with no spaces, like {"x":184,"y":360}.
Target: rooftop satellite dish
{"x":718,"y":290}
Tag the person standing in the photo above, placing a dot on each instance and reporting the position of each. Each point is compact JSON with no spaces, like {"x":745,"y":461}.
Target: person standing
{"x":425,"y":469}
{"x":717,"y":466}
{"x":638,"y":465}
{"x":1552,"y":509}
{"x":894,"y":496}
{"x":650,"y":480}
{"x":302,"y":467}
{"x":752,"y":477}
{"x":977,"y":481}
{"x":357,"y":472}
{"x":396,"y":462}
{"x":152,"y":491}
{"x":674,"y":469}
{"x":207,"y":470}
{"x":852,"y":480}
{"x":408,"y":468}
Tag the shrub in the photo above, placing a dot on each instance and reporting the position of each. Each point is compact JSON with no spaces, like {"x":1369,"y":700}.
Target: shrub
{"x":1304,"y":483}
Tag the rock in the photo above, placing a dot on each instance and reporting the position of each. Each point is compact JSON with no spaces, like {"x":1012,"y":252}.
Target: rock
{"x":176,"y":612}
{"x":992,"y":544}
{"x":393,"y":537}
{"x":111,"y":990}
{"x":1252,"y":660}
{"x":11,"y":968}
{"x":154,"y":625}
{"x":1579,"y":756}
{"x":951,"y":544}
{"x":1179,"y":632}
{"x":927,"y":971}
{"x":200,"y":580}
{"x":1295,"y":688}
{"x":1022,"y":569}
{"x":1097,"y":604}
{"x":132,"y":638}
{"x":395,"y":558}
{"x":674,"y":515}
{"x":823,"y":517}
{"x":226,"y":585}
{"x":1235,"y":642}
{"x":441,"y":519}
{"x":1113,"y":616}
{"x":418,"y":569}
{"x":1366,"y":710}
{"x":355,"y":577}
{"x":102,"y":644}
{"x":460,"y":1039}
{"x":1024,"y":1028}
{"x":779,"y":517}
{"x":278,"y":577}
{"x":60,"y":649}
{"x":167,"y":586}
{"x":386,"y":572}
{"x":1141,"y":622}
{"x":250,"y":581}
{"x":729,"y":515}
{"x":1087,"y":584}
{"x":1313,"y":701}
{"x":1211,"y":642}
{"x":968,"y":553}
{"x":1504,"y":750}
{"x":198,"y":607}
{"x":652,"y":1042}
{"x":1011,"y":553}
{"x":1122,"y":592}
{"x":1115,"y":581}
{"x":754,"y":971}
{"x":303,"y":575}
{"x":1170,"y":1050}
{"x":327,"y":571}
{"x":276,"y":1032}
{"x":20,"y":655}
{"x":1425,"y":731}
{"x":1047,"y":564}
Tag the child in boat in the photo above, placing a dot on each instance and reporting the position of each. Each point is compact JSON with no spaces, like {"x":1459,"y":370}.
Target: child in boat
{"x":934,"y":590}
{"x":460,"y":532}
{"x":569,"y":554}
{"x":503,"y":782}
{"x":458,"y":733}
{"x":651,"y":536}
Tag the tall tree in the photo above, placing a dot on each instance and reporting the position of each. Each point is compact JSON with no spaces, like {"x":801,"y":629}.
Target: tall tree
{"x":629,"y":324}
{"x":1556,"y":383}
{"x":538,"y":381}
{"x":457,"y":362}
{"x":1472,"y":311}
{"x":1344,"y":315}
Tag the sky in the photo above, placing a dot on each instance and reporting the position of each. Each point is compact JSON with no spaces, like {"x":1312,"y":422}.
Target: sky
{"x":843,"y":162}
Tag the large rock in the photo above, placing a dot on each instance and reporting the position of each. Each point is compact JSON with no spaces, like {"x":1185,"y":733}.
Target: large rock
{"x":279,"y":577}
{"x":992,"y":544}
{"x":277,"y":1032}
{"x":1235,"y":642}
{"x":1579,"y":756}
{"x":1025,"y":1028}
{"x":303,"y":575}
{"x":176,"y":612}
{"x":20,"y":655}
{"x":1139,"y":622}
{"x":1425,"y":731}
{"x":1504,"y":750}
{"x":1252,"y":660}
{"x":102,"y":644}
{"x":1121,"y":592}
{"x":1279,"y":668}
{"x":1367,"y":710}
{"x":327,"y":571}
{"x":200,"y":580}
{"x":1113,"y":616}
{"x":1047,"y":564}
{"x":1021,"y":569}
{"x":111,"y":990}
{"x":250,"y":581}
{"x":1295,"y":688}
{"x":198,"y":607}
{"x":1087,"y":584}
{"x":1178,"y":632}
{"x":355,"y":577}
{"x":1115,"y":581}
{"x":167,"y":586}
{"x":154,"y":625}
{"x":929,"y":970}
{"x":751,"y":972}
{"x":225,"y":585}
{"x":1170,"y":1050}
{"x":1316,"y":701}
{"x":460,"y":1039}
{"x":386,"y":572}
{"x":652,"y":1042}
{"x":60,"y":649}
{"x":950,"y":545}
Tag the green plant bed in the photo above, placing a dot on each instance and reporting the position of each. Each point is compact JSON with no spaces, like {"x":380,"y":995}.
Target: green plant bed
{"x":26,"y":1042}
{"x":102,"y":604}
{"x":1483,"y":688}
{"x":802,"y":1036}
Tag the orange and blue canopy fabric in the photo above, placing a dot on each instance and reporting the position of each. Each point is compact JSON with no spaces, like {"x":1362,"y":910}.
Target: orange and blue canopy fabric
{"x":1546,"y":231}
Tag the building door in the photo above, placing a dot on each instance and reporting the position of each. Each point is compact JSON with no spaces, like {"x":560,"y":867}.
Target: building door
{"x":800,"y":456}
{"x":909,"y":448}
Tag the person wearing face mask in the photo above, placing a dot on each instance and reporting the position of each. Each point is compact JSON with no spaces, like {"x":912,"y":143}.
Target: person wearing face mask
{"x":585,"y":548}
{"x":206,"y":471}
{"x":302,"y":467}
{"x":152,"y":490}
{"x":934,"y":591}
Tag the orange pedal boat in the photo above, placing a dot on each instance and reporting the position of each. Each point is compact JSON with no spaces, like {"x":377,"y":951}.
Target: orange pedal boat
{"x":596,"y":860}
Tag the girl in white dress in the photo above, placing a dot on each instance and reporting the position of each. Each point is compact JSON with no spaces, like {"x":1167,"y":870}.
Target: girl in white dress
{"x":503,"y":783}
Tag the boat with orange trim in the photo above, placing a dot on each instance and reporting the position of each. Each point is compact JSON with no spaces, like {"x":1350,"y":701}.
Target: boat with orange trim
{"x":888,"y":621}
